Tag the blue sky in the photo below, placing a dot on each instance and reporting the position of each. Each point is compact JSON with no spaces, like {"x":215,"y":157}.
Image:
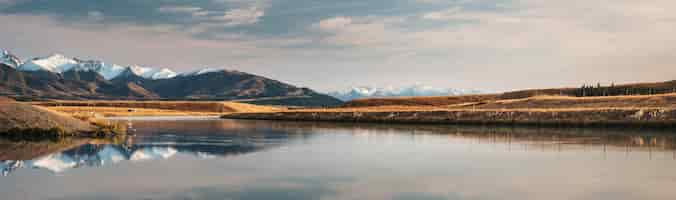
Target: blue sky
{"x":492,"y":45}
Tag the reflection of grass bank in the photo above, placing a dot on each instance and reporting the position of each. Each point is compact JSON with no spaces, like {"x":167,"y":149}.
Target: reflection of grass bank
{"x":56,"y":133}
{"x":27,"y":146}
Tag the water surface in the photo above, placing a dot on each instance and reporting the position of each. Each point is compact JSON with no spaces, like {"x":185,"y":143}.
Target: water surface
{"x":227,"y":159}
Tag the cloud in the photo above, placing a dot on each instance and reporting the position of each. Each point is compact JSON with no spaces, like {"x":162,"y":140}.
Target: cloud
{"x":242,"y":16}
{"x":334,"y":24}
{"x":440,"y":15}
{"x":95,"y":15}
{"x":179,"y":9}
{"x":466,"y":43}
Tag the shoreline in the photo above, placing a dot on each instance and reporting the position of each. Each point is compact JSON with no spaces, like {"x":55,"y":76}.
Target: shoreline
{"x":164,"y":117}
{"x":641,"y":118}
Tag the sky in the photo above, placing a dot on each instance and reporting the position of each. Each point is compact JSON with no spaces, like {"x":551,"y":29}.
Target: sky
{"x":489,"y":45}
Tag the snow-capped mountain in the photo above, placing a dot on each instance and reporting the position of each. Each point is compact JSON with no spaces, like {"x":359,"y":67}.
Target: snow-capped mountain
{"x":58,"y":63}
{"x":72,"y":78}
{"x":108,"y":71}
{"x":412,"y":91}
{"x":8,"y":59}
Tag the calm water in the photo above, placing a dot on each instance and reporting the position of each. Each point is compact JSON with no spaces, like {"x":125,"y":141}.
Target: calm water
{"x":226,"y":159}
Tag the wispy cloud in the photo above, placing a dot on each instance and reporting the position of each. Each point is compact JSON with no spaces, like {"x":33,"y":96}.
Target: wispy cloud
{"x":179,"y":9}
{"x":242,"y":16}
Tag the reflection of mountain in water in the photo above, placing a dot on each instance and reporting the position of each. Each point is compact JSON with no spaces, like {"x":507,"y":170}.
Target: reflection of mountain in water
{"x":145,"y":149}
{"x":156,"y":140}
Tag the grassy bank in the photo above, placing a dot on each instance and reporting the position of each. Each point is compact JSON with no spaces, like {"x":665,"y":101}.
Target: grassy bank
{"x":22,"y":121}
{"x":659,"y":118}
{"x":618,"y":111}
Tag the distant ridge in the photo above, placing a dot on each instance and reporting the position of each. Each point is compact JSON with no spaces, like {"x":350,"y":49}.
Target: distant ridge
{"x":409,"y":91}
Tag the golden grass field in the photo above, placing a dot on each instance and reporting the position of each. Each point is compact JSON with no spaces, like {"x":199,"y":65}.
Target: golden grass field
{"x":83,"y":109}
{"x":486,"y":102}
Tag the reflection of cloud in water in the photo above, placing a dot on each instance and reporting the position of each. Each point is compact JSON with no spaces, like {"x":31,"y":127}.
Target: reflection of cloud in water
{"x":288,"y":188}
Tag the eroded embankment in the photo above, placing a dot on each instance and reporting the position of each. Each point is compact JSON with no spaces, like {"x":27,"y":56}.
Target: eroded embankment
{"x":658,"y":118}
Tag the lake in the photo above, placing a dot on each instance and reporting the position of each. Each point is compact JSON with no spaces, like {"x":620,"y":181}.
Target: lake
{"x":201,"y":158}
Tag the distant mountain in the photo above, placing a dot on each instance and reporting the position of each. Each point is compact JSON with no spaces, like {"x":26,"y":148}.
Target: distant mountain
{"x":58,"y":63}
{"x":9,"y":59}
{"x":61,"y":77}
{"x":410,"y":91}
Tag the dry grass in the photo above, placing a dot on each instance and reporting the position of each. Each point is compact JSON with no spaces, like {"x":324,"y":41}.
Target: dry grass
{"x":550,"y":103}
{"x":191,"y":106}
{"x":419,"y":101}
{"x":94,"y":109}
{"x":86,"y":113}
{"x":25,"y":116}
{"x":566,"y":102}
{"x":650,"y":111}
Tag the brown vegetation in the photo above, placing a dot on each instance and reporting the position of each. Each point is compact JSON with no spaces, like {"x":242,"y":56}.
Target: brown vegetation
{"x":648,"y":110}
{"x":151,"y":108}
{"x":419,"y":101}
{"x":27,"y":150}
{"x":15,"y":115}
{"x":585,"y":117}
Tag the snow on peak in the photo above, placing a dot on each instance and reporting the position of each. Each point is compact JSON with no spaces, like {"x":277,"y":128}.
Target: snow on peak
{"x":202,"y":71}
{"x":56,"y":63}
{"x":152,"y":73}
{"x":415,"y":90}
{"x":108,"y":71}
{"x":163,"y":73}
{"x":8,"y":59}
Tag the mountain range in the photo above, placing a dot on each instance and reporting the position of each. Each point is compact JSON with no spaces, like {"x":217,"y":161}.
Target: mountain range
{"x":61,"y":77}
{"x":409,"y":91}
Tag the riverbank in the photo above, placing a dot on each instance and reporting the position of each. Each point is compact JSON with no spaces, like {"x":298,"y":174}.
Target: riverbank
{"x":659,"y":118}
{"x":25,"y":121}
{"x":637,"y":111}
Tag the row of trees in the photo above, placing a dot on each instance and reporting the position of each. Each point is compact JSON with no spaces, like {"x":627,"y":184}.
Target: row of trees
{"x":612,"y":90}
